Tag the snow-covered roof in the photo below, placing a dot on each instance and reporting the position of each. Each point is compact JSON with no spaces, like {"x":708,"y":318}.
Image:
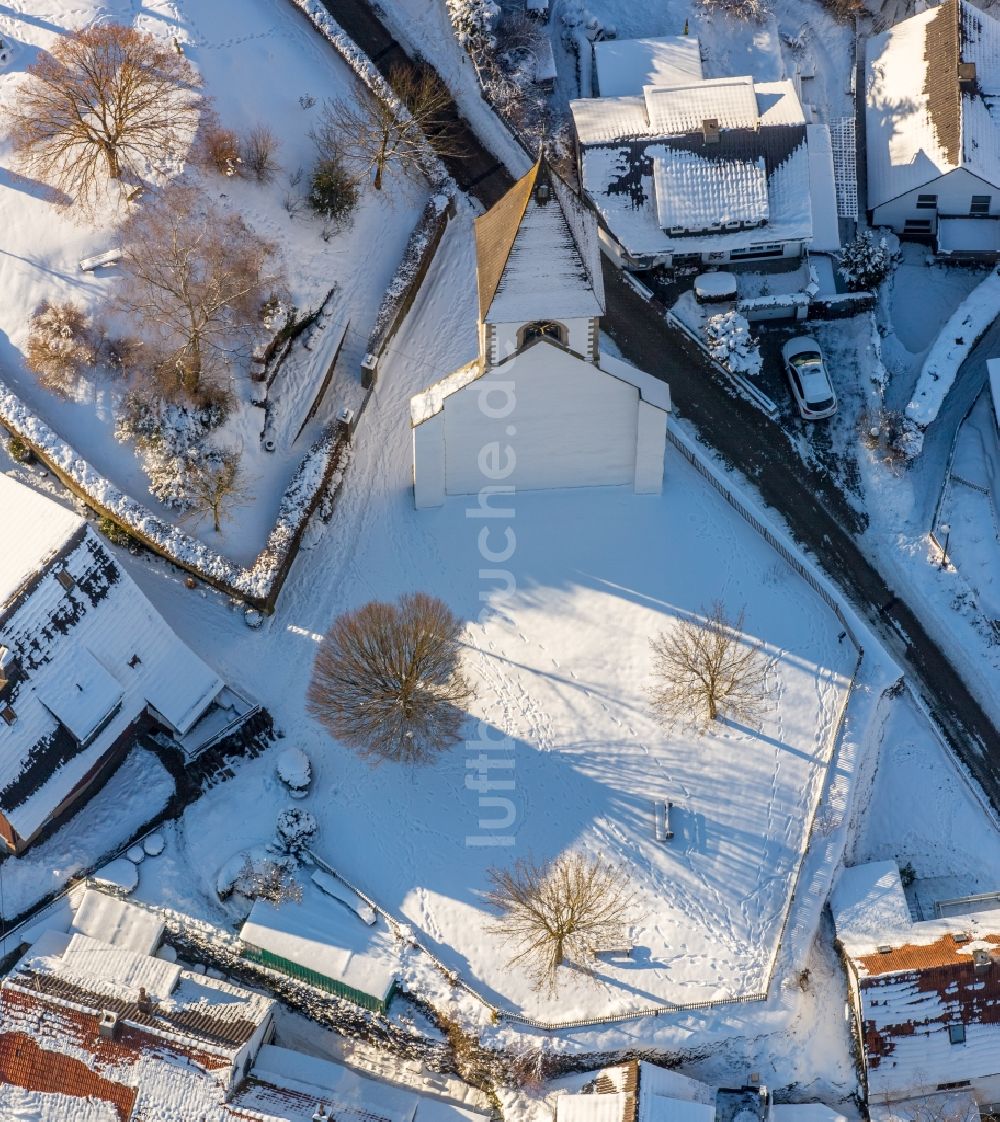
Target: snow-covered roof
{"x":625,"y":66}
{"x":127,"y":971}
{"x":822,"y":190}
{"x":538,"y":258}
{"x":675,"y":110}
{"x":915,"y":981}
{"x":320,"y":934}
{"x":869,"y":905}
{"x":610,"y":1107}
{"x":806,"y":1112}
{"x":678,"y":110}
{"x":696,"y":194}
{"x":664,"y":1082}
{"x":431,"y":401}
{"x":91,"y":655}
{"x":117,"y":923}
{"x":295,"y":1083}
{"x":623,"y":192}
{"x":922,"y":120}
{"x":35,"y":529}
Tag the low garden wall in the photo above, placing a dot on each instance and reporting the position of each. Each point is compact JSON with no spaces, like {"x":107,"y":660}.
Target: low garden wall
{"x":320,"y":472}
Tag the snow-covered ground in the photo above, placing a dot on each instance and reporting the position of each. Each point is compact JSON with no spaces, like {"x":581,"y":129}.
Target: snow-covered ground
{"x":262,"y":62}
{"x":561,"y":664}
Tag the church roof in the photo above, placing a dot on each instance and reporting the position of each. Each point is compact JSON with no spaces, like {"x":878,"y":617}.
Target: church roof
{"x":538,"y":258}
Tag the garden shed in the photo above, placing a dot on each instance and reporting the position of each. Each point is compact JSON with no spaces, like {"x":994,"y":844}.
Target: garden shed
{"x":320,"y":941}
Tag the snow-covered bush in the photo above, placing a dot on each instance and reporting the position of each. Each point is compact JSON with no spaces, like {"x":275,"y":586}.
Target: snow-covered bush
{"x":257,"y":149}
{"x":474,"y":21}
{"x":295,"y":771}
{"x":731,"y":344}
{"x":256,"y":874}
{"x":220,"y":150}
{"x":59,"y":346}
{"x":333,"y":191}
{"x":865,"y":262}
{"x":753,"y":11}
{"x":170,"y":439}
{"x":18,"y":450}
{"x":296,"y":828}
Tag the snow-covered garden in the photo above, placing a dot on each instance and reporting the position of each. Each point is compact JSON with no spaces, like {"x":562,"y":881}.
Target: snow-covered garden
{"x":561,"y":662}
{"x":264,"y":70}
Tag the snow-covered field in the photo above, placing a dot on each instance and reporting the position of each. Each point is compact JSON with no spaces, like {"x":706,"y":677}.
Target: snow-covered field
{"x":262,"y":62}
{"x":561,"y":664}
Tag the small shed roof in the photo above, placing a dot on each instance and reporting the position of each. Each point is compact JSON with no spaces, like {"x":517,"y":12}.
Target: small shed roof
{"x":319,"y":934}
{"x":625,"y":66}
{"x":117,"y":923}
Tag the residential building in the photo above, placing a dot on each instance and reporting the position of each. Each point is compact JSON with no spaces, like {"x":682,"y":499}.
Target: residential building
{"x":687,"y":170}
{"x":932,"y":126}
{"x":925,"y":994}
{"x":86,"y":667}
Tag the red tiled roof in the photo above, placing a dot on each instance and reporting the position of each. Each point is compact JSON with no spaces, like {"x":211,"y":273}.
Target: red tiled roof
{"x":923,"y":956}
{"x":24,"y":1063}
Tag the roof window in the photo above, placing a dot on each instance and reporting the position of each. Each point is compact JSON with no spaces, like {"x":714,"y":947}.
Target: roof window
{"x":956,"y":1033}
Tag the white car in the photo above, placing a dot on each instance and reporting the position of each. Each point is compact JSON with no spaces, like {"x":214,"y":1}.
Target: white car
{"x":808,"y":378}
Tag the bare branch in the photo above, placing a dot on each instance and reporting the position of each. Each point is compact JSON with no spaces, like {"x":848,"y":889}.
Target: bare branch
{"x":106,"y":103}
{"x":564,"y":911}
{"x":706,"y":669}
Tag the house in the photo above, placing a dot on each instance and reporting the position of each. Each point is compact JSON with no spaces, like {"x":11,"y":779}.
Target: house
{"x":925,"y":994}
{"x":637,"y":1091}
{"x":540,"y":406}
{"x":86,"y":667}
{"x":932,"y":129}
{"x":81,"y":1019}
{"x":94,"y":1031}
{"x":687,"y":170}
{"x":321,"y":941}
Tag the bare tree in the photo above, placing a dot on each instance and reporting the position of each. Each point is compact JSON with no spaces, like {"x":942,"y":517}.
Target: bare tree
{"x":59,"y":345}
{"x":258,"y":153}
{"x":707,"y":668}
{"x":215,"y":483}
{"x":387,"y":679}
{"x":374,"y":134}
{"x":562,"y":911}
{"x":105,"y":101}
{"x":196,"y":279}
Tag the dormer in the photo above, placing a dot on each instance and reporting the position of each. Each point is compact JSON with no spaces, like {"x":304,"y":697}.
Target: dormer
{"x":538,"y":270}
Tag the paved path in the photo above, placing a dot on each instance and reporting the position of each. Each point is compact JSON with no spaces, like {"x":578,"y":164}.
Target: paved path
{"x":810,"y":503}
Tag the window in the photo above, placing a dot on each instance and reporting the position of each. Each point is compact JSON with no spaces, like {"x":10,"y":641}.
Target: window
{"x":926,"y":202}
{"x":954,"y":1086}
{"x":758,"y":251}
{"x":956,"y":1034}
{"x":917,"y":226}
{"x":543,"y":329}
{"x":65,"y":578}
{"x":980,"y":204}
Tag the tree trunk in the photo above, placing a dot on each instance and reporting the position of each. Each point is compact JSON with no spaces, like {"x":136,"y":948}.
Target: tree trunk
{"x":111,"y":156}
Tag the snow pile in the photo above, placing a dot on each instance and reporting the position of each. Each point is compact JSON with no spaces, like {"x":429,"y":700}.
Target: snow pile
{"x":295,"y":771}
{"x":959,"y":335}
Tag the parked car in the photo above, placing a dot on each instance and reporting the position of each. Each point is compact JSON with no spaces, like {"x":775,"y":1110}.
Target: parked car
{"x":808,"y":378}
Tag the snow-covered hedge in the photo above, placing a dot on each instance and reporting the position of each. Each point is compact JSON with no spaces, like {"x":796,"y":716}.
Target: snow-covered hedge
{"x":729,"y":342}
{"x":956,"y":339}
{"x":322,"y":468}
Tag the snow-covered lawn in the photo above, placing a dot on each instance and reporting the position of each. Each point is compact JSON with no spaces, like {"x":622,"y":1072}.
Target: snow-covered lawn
{"x":262,"y":62}
{"x":561,"y":664}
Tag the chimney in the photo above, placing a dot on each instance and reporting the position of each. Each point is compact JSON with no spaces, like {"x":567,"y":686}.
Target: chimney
{"x":710,"y":130}
{"x":966,"y":75}
{"x":107,"y":1026}
{"x":6,"y":658}
{"x":542,"y":193}
{"x":145,"y":1002}
{"x":320,"y":1115}
{"x":981,"y":963}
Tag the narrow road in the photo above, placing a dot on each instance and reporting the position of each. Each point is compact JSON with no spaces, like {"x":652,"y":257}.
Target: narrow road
{"x":811,"y":503}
